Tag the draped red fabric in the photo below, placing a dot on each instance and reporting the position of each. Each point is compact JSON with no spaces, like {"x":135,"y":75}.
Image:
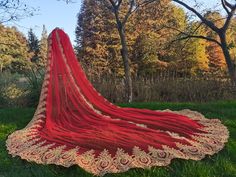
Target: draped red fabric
{"x":74,"y":124}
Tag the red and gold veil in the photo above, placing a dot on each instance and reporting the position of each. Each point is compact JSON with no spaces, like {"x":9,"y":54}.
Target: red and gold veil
{"x":75,"y":125}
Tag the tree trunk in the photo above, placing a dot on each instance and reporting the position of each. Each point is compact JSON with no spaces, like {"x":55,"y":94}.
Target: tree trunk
{"x":1,"y":67}
{"x":229,"y":62}
{"x":124,"y":54}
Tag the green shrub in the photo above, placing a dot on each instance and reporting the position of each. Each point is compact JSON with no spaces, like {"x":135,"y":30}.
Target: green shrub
{"x":10,"y":92}
{"x":18,"y":90}
{"x":34,"y":84}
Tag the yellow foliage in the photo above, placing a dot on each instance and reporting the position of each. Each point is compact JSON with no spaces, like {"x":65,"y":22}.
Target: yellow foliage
{"x":12,"y":92}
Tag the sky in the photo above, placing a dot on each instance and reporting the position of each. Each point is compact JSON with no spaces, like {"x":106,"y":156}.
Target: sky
{"x":54,"y":13}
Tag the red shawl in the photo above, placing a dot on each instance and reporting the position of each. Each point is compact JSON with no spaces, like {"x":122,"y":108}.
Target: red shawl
{"x":74,"y":124}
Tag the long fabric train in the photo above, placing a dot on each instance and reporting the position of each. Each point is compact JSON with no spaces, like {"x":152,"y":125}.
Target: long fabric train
{"x":74,"y":124}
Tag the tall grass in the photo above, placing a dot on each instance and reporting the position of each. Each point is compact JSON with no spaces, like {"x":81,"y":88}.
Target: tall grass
{"x":34,"y":80}
{"x":167,"y":88}
{"x":162,"y":87}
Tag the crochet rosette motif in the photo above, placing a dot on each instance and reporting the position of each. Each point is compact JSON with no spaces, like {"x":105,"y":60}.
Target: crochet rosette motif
{"x":74,"y":125}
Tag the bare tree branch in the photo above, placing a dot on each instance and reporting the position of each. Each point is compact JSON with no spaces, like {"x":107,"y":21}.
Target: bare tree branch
{"x":131,"y":6}
{"x":229,"y":5}
{"x":200,"y":37}
{"x":221,"y":32}
{"x":203,"y":19}
{"x":119,"y":3}
{"x":134,"y":7}
{"x":229,"y":17}
{"x":144,"y":3}
{"x":192,"y":33}
{"x":14,"y":10}
{"x":112,"y":3}
{"x":189,"y":35}
{"x":224,"y":6}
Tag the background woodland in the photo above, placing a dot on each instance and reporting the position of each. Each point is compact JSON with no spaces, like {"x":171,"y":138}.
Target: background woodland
{"x":163,"y":66}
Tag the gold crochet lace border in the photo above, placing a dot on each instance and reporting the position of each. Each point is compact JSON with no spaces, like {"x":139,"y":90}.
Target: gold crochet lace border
{"x":26,"y":144}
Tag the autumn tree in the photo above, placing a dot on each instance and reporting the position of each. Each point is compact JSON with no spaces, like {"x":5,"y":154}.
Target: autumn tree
{"x":97,"y":40}
{"x":14,"y":54}
{"x":153,"y":35}
{"x":146,"y":54}
{"x":220,"y":31}
{"x":215,"y":55}
{"x":197,"y":49}
{"x":121,"y":18}
{"x":231,"y":36}
{"x":92,"y":36}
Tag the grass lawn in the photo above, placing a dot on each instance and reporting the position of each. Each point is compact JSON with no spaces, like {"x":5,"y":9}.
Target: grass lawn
{"x":222,"y":164}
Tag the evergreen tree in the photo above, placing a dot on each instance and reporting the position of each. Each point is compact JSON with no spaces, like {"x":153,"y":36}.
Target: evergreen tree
{"x":33,"y":43}
{"x":86,"y":37}
{"x":96,"y":37}
{"x":43,"y":45}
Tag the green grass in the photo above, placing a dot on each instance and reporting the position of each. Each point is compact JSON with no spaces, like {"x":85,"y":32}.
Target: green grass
{"x":222,"y":164}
